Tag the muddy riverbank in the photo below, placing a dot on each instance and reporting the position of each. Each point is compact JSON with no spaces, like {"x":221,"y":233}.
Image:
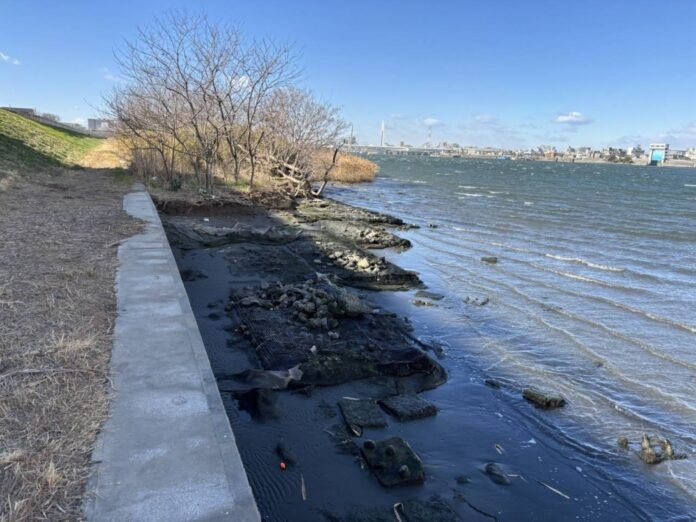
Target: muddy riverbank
{"x":323,"y":373}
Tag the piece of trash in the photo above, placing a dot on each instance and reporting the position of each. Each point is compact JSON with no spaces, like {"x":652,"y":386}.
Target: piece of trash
{"x":398,"y":506}
{"x":517,"y":476}
{"x":355,"y":430}
{"x":350,"y":398}
{"x":303,"y":487}
{"x":499,"y":448}
{"x":283,"y":466}
{"x":554,"y":490}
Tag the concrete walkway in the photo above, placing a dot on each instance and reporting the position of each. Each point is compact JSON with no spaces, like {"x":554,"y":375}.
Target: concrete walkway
{"x":167,"y":451}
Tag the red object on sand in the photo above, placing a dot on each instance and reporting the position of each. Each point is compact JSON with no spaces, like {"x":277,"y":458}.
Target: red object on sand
{"x":282,"y":466}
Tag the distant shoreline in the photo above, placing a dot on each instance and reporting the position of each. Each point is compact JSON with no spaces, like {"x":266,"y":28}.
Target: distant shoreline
{"x":594,"y":161}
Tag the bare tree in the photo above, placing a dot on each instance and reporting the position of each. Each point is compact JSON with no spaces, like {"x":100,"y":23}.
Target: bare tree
{"x":301,"y":128}
{"x":268,"y":68}
{"x":170,"y":69}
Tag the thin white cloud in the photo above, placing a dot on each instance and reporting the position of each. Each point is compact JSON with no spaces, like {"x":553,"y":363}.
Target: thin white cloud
{"x":9,"y":59}
{"x":573,"y":118}
{"x":108,"y":75}
{"x":431,"y":122}
{"x":485,"y":119}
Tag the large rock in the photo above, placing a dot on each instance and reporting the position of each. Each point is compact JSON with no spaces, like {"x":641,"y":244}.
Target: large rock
{"x":363,"y":413}
{"x":543,"y":400}
{"x":409,"y":407}
{"x":393,"y":462}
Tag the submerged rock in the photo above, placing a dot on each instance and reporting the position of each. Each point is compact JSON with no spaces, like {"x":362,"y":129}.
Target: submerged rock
{"x":491,"y":260}
{"x":393,"y":462}
{"x":285,"y":453}
{"x":259,"y":403}
{"x":362,"y":412}
{"x":496,"y":474}
{"x":543,"y":400}
{"x":432,"y":510}
{"x":409,"y":407}
{"x":429,"y":295}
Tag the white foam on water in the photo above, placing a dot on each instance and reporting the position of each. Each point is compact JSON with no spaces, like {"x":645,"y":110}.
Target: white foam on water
{"x":586,"y":263}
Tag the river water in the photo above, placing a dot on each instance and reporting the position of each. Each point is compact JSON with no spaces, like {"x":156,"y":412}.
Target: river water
{"x":594,"y":294}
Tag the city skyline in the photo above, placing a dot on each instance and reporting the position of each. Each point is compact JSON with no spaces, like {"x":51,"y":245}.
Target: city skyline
{"x":509,"y":75}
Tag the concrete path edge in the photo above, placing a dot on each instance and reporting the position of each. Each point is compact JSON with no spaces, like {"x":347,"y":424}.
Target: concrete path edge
{"x":167,"y":451}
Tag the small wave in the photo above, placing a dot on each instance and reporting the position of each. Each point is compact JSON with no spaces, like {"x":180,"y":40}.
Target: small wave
{"x":689,"y":185}
{"x":470,"y":187}
{"x":420,"y":182}
{"x":586,"y":263}
{"x":528,"y":203}
{"x":468,"y":194}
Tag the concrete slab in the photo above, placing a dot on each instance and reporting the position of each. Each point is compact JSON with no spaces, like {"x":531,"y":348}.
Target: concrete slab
{"x":167,"y":451}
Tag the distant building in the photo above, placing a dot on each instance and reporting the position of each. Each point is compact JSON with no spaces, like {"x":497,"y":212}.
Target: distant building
{"x":691,"y":153}
{"x":583,"y":152}
{"x":658,"y":153}
{"x":100,"y":125}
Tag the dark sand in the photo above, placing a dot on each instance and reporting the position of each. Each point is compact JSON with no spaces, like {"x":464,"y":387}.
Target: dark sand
{"x":533,"y":474}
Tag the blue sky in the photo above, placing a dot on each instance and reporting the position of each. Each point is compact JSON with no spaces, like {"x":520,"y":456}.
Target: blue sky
{"x":486,"y":72}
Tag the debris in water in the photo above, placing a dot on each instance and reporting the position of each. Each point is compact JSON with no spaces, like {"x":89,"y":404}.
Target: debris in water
{"x":397,"y":507}
{"x":303,"y":487}
{"x":499,"y":448}
{"x":554,"y":490}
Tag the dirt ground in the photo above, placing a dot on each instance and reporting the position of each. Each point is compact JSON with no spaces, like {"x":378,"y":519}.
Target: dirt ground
{"x":59,"y":234}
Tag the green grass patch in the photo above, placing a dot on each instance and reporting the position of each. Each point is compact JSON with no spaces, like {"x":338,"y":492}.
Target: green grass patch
{"x":25,"y":143}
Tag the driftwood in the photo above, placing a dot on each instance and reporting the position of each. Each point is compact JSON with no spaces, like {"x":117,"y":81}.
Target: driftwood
{"x":301,"y":180}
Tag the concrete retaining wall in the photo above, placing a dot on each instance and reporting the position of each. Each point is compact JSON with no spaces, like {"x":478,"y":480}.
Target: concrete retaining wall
{"x":167,"y":452}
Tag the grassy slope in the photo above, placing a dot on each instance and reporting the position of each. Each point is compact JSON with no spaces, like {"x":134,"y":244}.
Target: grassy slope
{"x":25,"y":143}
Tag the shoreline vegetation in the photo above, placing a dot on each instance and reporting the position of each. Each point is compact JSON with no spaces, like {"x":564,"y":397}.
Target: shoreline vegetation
{"x":199,"y":104}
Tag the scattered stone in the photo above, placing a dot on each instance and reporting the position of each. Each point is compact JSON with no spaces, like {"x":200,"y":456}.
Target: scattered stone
{"x":491,"y":260}
{"x":409,"y":407}
{"x":363,"y":413}
{"x":543,"y":400}
{"x":623,"y":442}
{"x":477,"y":301}
{"x":387,"y":460}
{"x":429,"y":295}
{"x":496,"y":474}
{"x":420,"y":302}
{"x":493,"y":383}
{"x":463,"y":479}
{"x":433,"y":225}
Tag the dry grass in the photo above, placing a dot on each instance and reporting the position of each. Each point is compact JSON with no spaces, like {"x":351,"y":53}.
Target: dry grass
{"x":109,"y":154}
{"x":58,"y":233}
{"x":350,"y":168}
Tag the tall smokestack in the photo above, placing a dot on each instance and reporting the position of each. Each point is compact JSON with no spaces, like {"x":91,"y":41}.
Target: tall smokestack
{"x":381,"y":141}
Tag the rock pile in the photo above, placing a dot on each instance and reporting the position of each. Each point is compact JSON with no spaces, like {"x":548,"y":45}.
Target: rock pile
{"x":316,"y":303}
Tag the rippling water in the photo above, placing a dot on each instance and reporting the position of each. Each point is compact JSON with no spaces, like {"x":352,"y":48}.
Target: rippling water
{"x":594,"y":294}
